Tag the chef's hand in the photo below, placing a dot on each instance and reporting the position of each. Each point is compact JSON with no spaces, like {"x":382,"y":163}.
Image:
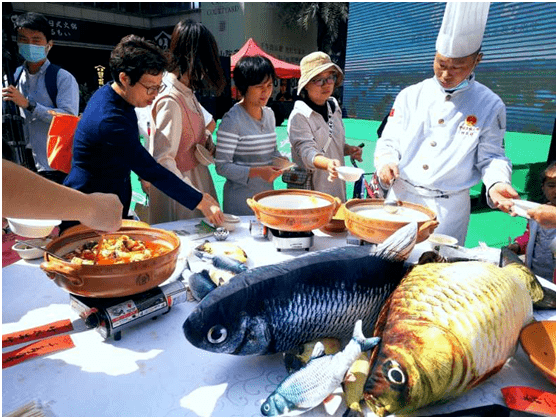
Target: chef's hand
{"x":501,"y":195}
{"x":103,"y":212}
{"x":544,"y":215}
{"x":11,"y":93}
{"x":210,"y":208}
{"x":353,"y":151}
{"x":267,"y":173}
{"x":332,"y":166}
{"x":388,"y":173}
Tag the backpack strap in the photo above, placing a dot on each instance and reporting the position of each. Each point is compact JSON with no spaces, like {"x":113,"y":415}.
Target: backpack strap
{"x":51,"y":77}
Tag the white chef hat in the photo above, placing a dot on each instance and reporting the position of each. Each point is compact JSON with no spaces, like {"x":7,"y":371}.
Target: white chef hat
{"x":462,"y":29}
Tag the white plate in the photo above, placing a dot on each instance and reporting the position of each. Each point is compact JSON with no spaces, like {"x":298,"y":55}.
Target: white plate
{"x":442,"y":240}
{"x":350,"y":174}
{"x":520,"y":207}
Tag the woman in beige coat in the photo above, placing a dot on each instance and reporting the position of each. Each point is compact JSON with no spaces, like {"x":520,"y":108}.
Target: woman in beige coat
{"x":179,"y":120}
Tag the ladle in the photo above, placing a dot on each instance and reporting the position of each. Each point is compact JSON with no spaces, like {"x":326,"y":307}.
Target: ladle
{"x":41,"y":248}
{"x":391,"y":205}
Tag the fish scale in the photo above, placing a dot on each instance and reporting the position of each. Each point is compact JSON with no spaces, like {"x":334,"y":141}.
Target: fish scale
{"x":277,"y":308}
{"x":467,"y":315}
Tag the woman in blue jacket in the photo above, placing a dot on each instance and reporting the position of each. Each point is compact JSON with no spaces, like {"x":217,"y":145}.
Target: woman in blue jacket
{"x":106,"y":143}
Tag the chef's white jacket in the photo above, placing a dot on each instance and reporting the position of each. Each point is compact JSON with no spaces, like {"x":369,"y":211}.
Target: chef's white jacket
{"x":444,"y":141}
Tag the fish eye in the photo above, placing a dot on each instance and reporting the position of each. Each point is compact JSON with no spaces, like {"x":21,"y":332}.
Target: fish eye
{"x":394,"y":373}
{"x":217,"y":334}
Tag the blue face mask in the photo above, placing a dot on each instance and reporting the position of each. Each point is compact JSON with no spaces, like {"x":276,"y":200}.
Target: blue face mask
{"x":460,"y":86}
{"x":32,"y":53}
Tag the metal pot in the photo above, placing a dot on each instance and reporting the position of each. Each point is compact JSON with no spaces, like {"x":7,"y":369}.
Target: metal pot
{"x":374,"y":229}
{"x":294,"y":209}
{"x":107,"y":281}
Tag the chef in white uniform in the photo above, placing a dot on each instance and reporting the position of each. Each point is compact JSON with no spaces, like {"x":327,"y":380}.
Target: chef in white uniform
{"x":446,"y":133}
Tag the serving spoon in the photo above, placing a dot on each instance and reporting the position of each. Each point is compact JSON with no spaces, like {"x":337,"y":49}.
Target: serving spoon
{"x":34,"y":246}
{"x":391,"y":205}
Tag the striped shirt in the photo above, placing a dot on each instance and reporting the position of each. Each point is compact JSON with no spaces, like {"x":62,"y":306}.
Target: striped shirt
{"x":244,"y":142}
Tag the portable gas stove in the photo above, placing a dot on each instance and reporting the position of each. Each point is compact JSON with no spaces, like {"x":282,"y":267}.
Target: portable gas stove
{"x":291,"y":240}
{"x":111,"y":315}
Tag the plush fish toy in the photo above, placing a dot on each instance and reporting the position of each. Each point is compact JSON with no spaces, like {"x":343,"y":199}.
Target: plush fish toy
{"x":276,"y":308}
{"x":311,"y":385}
{"x":353,"y":385}
{"x":445,"y":329}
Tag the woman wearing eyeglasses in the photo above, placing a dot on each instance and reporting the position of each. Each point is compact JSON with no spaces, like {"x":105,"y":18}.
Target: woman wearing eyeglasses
{"x":106,"y":142}
{"x":315,"y":126}
{"x":178,"y":117}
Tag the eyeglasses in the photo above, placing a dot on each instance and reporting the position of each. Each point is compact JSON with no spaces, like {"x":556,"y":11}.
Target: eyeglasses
{"x":153,"y":89}
{"x":323,"y":80}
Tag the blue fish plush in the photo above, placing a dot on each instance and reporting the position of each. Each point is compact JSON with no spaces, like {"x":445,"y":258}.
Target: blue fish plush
{"x":312,"y":384}
{"x":276,"y":308}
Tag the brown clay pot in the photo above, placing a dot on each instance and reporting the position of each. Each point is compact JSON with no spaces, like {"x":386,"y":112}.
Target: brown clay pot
{"x":337,"y":222}
{"x":105,"y":281}
{"x":375,"y":230}
{"x":294,"y":209}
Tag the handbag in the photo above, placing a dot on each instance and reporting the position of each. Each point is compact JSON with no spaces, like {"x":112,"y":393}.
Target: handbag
{"x":61,"y":140}
{"x":298,"y":178}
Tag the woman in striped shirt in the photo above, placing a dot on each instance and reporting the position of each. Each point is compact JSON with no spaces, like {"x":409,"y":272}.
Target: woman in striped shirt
{"x":246,"y":139}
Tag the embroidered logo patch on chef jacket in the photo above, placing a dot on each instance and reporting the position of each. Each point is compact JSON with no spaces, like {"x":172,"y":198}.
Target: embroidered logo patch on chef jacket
{"x":471,"y":120}
{"x":392,"y":112}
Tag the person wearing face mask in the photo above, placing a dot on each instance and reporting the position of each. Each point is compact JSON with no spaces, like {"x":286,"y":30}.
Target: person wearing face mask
{"x":31,"y":93}
{"x":446,"y":133}
{"x":107,"y":147}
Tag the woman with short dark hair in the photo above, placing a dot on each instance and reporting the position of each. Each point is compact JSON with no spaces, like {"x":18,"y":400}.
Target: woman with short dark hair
{"x":106,"y":143}
{"x":179,"y":125}
{"x":246,"y":139}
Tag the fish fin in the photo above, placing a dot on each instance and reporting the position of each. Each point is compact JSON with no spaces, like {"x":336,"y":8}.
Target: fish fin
{"x":318,"y":351}
{"x":400,"y":244}
{"x":507,"y":257}
{"x":333,"y":401}
{"x":548,"y":301}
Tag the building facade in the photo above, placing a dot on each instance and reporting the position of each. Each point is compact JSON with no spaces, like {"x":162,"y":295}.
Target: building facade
{"x":392,"y":45}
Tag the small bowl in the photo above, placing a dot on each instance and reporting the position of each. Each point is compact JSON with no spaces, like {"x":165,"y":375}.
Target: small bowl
{"x":538,"y":340}
{"x":203,"y":155}
{"x":350,"y":174}
{"x":32,"y":228}
{"x":26,"y":252}
{"x":231,"y":222}
{"x":442,"y":240}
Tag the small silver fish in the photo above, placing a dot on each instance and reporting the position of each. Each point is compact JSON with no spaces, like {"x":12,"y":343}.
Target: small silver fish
{"x":312,"y":384}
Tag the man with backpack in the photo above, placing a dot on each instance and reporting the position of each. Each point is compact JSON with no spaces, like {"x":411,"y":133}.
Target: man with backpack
{"x":40,"y":87}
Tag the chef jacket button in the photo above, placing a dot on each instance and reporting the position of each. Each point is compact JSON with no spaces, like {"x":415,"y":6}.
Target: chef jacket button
{"x":433,"y":143}
{"x":440,"y":121}
{"x":448,"y":98}
{"x":425,"y":167}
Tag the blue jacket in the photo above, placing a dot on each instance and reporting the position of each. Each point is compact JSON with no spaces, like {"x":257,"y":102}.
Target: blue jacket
{"x":107,"y":149}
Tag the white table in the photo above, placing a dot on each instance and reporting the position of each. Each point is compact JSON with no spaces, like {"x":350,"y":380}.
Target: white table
{"x":154,"y":371}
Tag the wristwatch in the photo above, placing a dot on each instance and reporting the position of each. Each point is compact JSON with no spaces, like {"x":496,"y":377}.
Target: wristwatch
{"x":32,"y":105}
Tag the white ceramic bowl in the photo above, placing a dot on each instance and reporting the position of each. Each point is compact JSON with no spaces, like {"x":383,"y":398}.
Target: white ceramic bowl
{"x":26,"y":252}
{"x":203,"y":155}
{"x":442,"y":240}
{"x":231,"y":222}
{"x":32,"y":228}
{"x":350,"y":174}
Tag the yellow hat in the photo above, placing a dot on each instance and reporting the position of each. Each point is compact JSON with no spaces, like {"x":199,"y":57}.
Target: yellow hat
{"x":315,"y":63}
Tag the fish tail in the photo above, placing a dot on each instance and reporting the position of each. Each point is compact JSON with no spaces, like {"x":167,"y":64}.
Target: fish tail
{"x":542,"y":297}
{"x":400,"y":244}
{"x":365,"y":343}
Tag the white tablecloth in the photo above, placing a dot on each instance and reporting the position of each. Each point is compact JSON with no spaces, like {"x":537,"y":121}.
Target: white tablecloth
{"x":154,"y":371}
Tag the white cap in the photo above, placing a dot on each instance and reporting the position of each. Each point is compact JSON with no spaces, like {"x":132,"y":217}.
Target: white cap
{"x":462,"y":29}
